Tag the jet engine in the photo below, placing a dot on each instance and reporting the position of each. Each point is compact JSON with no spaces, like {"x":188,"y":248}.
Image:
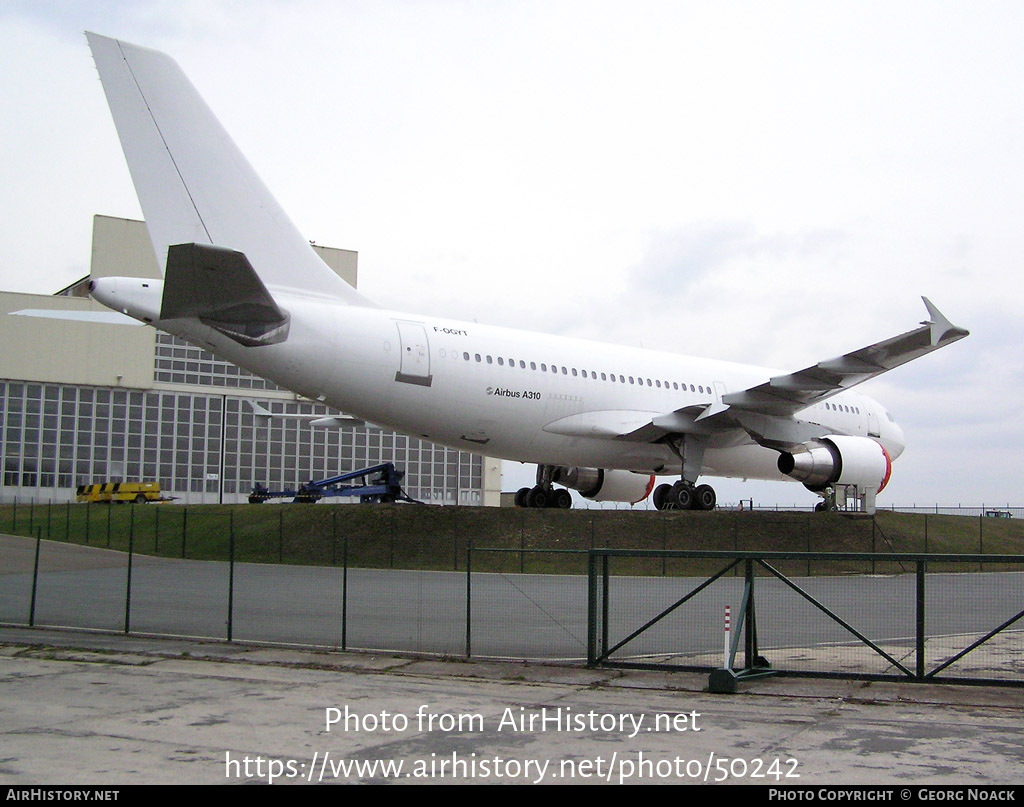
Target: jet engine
{"x":600,"y":485}
{"x":838,"y":460}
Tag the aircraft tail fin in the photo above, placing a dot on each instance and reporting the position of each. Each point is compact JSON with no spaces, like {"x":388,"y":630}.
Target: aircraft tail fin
{"x":193,"y":183}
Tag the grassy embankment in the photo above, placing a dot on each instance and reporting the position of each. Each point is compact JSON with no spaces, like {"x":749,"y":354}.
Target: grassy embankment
{"x":422,"y":537}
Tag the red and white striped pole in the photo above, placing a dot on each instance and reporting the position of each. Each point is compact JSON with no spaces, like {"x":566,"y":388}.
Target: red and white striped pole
{"x":728,"y":620}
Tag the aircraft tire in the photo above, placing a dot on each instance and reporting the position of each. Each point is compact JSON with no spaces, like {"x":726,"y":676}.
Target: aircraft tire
{"x":521,"y":495}
{"x":660,"y":496}
{"x":682,"y":495}
{"x":538,"y":497}
{"x":562,"y":499}
{"x":705,"y":498}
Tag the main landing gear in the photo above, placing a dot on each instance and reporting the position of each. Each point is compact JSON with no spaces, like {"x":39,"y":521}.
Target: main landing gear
{"x":541,"y":496}
{"x":544,"y":493}
{"x":684,"y":495}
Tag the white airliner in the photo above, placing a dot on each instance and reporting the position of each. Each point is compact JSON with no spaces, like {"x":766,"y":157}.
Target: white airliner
{"x":241,"y":281}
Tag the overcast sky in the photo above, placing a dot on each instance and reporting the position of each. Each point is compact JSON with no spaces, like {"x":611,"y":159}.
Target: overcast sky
{"x":772,"y":183}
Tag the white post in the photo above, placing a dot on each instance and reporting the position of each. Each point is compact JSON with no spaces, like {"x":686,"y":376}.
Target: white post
{"x":725,"y":659}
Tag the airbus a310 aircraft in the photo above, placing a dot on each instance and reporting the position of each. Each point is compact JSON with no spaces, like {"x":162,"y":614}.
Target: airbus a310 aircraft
{"x":240,"y":280}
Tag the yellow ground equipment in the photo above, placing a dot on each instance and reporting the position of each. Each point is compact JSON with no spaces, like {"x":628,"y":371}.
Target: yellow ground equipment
{"x":120,"y":492}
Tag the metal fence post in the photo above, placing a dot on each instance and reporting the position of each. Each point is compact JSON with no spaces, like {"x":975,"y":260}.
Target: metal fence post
{"x":920,"y":618}
{"x":469,"y":594}
{"x":344,"y":592}
{"x":35,"y":580}
{"x":605,"y":596}
{"x":128,"y":589}
{"x":591,"y":608}
{"x":231,"y":573}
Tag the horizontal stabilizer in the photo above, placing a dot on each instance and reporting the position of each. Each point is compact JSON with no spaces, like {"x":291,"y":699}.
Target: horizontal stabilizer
{"x":96,"y":317}
{"x":220,"y":288}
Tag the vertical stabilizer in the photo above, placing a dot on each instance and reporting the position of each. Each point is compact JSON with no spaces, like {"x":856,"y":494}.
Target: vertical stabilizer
{"x":194,"y":185}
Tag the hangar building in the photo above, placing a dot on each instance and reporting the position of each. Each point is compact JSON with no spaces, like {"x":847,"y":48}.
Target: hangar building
{"x":85,"y":400}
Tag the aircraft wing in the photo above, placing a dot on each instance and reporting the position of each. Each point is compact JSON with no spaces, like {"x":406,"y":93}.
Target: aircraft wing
{"x":787,"y":394}
{"x":780,"y":396}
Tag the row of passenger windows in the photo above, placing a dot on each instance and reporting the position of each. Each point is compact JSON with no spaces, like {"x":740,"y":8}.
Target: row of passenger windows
{"x":853,"y":410}
{"x":501,"y":361}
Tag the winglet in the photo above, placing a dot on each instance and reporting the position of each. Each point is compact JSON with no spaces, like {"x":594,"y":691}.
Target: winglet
{"x":941,"y":328}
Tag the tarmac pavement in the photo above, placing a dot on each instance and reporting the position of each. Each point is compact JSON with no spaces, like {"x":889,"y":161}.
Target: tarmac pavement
{"x":100,"y":709}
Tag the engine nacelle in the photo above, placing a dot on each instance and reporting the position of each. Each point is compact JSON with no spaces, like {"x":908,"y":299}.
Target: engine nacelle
{"x":600,"y":485}
{"x":838,"y":460}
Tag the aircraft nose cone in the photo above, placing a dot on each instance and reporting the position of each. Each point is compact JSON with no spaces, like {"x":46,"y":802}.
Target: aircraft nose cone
{"x":894,"y":441}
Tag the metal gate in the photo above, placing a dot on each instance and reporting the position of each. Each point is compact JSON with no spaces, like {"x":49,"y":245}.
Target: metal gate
{"x":934,"y":618}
